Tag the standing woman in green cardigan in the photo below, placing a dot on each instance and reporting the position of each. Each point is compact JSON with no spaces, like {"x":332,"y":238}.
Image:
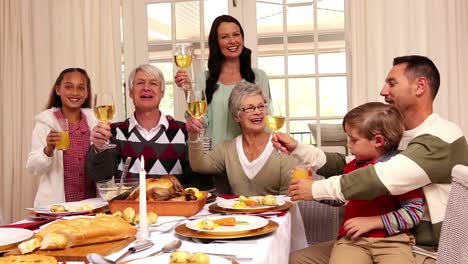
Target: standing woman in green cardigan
{"x":249,"y":161}
{"x":229,"y":63}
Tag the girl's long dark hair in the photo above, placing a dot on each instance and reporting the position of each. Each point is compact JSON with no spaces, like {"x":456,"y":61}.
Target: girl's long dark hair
{"x":54,"y":98}
{"x":216,"y":57}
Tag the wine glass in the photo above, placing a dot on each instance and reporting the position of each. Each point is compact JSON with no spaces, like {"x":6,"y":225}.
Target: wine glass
{"x":196,"y":104}
{"x":104,"y":109}
{"x":275,"y":118}
{"x":183,"y":58}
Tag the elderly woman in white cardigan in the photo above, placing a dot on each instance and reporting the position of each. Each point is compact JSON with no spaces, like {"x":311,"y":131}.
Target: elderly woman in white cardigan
{"x":249,"y":161}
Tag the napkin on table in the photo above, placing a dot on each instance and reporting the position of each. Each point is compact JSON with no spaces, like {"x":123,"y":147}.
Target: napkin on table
{"x":30,"y":225}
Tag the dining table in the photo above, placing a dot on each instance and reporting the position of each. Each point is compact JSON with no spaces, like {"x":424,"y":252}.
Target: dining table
{"x":272,"y":247}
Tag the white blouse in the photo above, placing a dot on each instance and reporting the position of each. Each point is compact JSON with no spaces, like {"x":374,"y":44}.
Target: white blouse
{"x":252,"y":168}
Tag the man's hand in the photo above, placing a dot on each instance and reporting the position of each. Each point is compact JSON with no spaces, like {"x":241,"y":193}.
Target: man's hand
{"x":357,"y":226}
{"x":284,"y":142}
{"x":183,"y":80}
{"x":301,"y":189}
{"x":100,"y":135}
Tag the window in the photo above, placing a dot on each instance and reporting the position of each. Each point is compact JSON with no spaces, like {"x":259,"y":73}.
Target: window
{"x":300,"y":45}
{"x":172,"y":22}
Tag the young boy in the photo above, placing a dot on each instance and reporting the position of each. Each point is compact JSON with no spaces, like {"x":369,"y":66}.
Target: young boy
{"x":376,"y":231}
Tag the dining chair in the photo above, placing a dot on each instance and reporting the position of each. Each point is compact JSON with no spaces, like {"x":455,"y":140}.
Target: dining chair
{"x":331,"y":135}
{"x":453,"y":243}
{"x":321,"y":221}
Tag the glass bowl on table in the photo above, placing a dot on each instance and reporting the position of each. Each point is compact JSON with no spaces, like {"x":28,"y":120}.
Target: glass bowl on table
{"x":108,"y":189}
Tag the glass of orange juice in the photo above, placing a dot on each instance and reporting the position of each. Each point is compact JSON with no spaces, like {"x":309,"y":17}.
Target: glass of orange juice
{"x":64,"y":142}
{"x":301,"y":171}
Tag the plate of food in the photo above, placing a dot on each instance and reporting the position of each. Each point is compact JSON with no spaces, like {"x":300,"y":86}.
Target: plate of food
{"x":181,"y":256}
{"x":251,"y":203}
{"x":11,"y":236}
{"x":70,"y":208}
{"x":232,"y":225}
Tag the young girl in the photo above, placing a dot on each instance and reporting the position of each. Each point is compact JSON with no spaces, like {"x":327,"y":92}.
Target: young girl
{"x":62,"y":172}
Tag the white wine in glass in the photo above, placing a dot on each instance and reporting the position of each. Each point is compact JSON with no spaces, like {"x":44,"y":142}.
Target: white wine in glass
{"x":275,"y":119}
{"x":104,"y":110}
{"x":197,"y":109}
{"x":275,"y":123}
{"x":197,"y":106}
{"x":183,"y":57}
{"x":183,"y":61}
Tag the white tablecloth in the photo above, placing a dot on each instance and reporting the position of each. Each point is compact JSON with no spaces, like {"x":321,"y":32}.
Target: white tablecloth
{"x":268,"y":249}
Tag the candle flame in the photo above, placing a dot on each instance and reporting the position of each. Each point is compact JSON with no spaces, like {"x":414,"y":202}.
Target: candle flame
{"x":142,"y":163}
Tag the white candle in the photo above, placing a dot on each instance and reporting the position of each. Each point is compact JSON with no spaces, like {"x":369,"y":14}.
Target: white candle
{"x":143,"y":226}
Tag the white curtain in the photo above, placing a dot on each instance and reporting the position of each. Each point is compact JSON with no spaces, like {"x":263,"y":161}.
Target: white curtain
{"x":379,"y":30}
{"x":38,"y":39}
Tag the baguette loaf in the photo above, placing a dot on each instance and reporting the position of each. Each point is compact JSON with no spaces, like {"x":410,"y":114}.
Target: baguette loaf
{"x":83,"y":231}
{"x":29,"y":259}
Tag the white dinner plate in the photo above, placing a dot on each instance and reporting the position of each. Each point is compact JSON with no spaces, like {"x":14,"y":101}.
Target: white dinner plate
{"x":228,"y":204}
{"x":10,"y":236}
{"x":94,"y":202}
{"x":248,"y":223}
{"x":169,"y":219}
{"x":166,"y":257}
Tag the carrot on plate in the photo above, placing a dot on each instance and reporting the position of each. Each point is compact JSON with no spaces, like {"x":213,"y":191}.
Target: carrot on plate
{"x":251,"y":203}
{"x":227,"y":221}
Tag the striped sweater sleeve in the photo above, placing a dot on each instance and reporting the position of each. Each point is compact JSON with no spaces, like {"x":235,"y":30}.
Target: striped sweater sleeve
{"x":409,"y":214}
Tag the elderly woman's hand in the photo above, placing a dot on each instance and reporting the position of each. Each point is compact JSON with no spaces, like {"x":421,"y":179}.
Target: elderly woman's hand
{"x":183,"y":80}
{"x":194,"y":126}
{"x":100,"y":135}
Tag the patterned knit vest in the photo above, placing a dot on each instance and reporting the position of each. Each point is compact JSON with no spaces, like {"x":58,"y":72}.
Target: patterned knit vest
{"x":166,"y":153}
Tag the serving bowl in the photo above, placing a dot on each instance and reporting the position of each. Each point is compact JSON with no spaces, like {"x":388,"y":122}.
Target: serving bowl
{"x":109,"y":189}
{"x":162,"y":208}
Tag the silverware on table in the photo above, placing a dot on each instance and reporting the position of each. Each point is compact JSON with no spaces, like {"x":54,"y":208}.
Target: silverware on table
{"x":124,"y":174}
{"x":99,"y":259}
{"x":165,"y":229}
{"x":167,"y":248}
{"x":229,"y":256}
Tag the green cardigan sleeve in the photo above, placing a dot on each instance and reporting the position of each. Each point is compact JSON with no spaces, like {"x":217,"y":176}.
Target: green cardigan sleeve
{"x":209,"y":162}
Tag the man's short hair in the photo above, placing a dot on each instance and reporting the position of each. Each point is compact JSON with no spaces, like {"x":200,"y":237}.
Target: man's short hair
{"x":150,"y":70}
{"x":420,"y":66}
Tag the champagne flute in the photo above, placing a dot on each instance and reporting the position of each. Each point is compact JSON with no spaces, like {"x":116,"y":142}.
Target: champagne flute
{"x":197,"y":105}
{"x":104,"y":109}
{"x":275,"y":119}
{"x":183,"y":58}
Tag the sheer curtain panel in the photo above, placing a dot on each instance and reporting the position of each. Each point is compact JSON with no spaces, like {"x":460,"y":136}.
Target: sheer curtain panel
{"x":379,"y":30}
{"x":38,"y":39}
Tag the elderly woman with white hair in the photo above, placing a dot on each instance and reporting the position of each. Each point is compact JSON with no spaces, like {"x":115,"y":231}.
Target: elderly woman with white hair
{"x":249,"y":161}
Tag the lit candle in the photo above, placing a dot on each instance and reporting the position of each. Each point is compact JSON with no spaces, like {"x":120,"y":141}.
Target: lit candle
{"x":143,"y":226}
